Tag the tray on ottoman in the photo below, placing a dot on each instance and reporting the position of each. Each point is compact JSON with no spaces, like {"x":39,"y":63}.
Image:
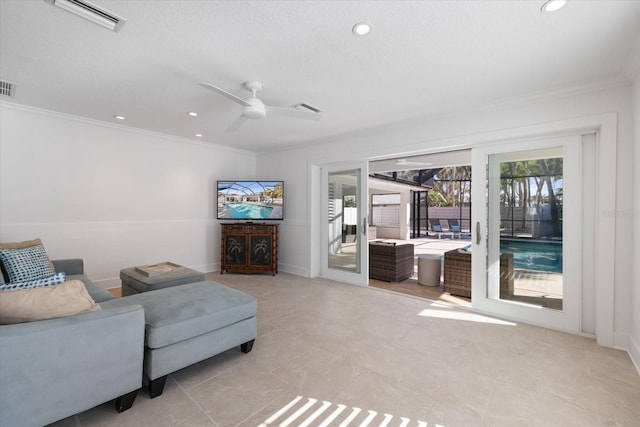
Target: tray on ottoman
{"x":157,"y":269}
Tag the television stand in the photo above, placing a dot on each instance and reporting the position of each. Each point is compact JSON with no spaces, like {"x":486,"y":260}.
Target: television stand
{"x":249,"y":248}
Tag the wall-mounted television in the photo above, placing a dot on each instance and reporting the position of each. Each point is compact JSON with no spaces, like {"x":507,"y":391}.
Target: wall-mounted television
{"x":251,"y":200}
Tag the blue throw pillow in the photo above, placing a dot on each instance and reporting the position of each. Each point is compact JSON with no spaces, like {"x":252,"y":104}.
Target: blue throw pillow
{"x":455,"y":228}
{"x":436,"y":228}
{"x":25,"y":264}
{"x":56,"y":279}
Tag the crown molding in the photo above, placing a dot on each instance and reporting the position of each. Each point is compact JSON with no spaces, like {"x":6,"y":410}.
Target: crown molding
{"x":631,"y":68}
{"x":547,"y":95}
{"x":94,"y":122}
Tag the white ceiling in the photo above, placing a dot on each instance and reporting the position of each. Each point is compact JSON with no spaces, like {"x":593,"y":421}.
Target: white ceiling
{"x":421,"y":58}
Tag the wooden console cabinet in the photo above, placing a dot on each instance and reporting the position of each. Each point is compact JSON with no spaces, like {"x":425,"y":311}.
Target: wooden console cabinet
{"x":249,"y":248}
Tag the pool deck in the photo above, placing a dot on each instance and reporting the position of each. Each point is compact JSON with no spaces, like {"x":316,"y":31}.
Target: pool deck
{"x":530,"y":286}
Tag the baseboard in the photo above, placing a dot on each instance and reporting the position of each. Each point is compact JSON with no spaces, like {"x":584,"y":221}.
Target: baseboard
{"x":624,"y":341}
{"x":298,"y":271}
{"x":206,"y":268}
{"x":634,"y":353}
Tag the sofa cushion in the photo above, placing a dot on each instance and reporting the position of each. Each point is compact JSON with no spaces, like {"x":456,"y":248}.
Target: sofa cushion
{"x":23,"y":261}
{"x":56,"y":279}
{"x":97,"y":292}
{"x":27,"y":305}
{"x":182,"y":312}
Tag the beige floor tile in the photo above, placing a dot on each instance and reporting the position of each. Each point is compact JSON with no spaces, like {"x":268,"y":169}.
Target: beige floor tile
{"x":319,"y":374}
{"x":373,"y":392}
{"x":451,"y":414}
{"x":237,"y":393}
{"x":169,"y":409}
{"x":198,"y":420}
{"x":373,"y":356}
{"x":542,"y":409}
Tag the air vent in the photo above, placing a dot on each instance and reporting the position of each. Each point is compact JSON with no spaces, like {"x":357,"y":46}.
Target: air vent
{"x":7,"y":89}
{"x":91,"y":12}
{"x":307,"y":107}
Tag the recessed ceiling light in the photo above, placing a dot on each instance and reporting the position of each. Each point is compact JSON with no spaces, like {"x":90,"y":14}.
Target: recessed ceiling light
{"x":198,"y":135}
{"x":192,"y":114}
{"x":361,"y":29}
{"x":553,"y":5}
{"x":120,"y":117}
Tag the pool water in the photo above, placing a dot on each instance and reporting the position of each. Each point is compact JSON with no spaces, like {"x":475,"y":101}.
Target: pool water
{"x":240,"y":210}
{"x":539,"y":256}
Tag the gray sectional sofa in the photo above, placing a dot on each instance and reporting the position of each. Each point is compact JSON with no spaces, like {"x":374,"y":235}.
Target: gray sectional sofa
{"x":52,"y":369}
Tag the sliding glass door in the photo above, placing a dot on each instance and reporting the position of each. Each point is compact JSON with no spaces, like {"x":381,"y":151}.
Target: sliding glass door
{"x":345,"y":205}
{"x":527,"y":246}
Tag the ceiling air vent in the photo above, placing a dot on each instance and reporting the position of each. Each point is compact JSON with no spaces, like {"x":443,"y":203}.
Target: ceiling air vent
{"x":7,"y":89}
{"x":308,"y":108}
{"x":91,"y":12}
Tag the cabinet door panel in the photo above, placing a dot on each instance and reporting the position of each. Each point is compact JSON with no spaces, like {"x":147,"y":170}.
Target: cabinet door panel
{"x":260,"y":250}
{"x":235,"y":247}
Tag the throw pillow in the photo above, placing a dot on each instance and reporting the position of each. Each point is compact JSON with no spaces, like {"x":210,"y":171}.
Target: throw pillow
{"x":24,"y":261}
{"x":436,"y":228}
{"x":28,"y":305}
{"x":56,"y":279}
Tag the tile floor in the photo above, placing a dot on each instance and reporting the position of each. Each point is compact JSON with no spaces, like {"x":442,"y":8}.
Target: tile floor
{"x":330,"y":354}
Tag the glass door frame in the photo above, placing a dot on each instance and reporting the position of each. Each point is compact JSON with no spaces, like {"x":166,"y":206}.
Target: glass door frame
{"x":362,"y":204}
{"x":569,"y":318}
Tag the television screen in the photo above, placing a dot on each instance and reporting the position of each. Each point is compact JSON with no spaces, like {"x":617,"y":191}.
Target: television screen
{"x":250,"y":200}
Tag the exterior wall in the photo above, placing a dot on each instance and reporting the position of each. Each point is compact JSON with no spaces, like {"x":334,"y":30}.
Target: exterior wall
{"x":112,"y":195}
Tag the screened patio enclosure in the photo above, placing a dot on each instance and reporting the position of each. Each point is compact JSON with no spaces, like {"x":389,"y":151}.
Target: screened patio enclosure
{"x":440,"y":201}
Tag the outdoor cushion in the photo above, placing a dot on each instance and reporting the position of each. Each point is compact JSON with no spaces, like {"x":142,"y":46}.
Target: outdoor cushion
{"x":182,"y":312}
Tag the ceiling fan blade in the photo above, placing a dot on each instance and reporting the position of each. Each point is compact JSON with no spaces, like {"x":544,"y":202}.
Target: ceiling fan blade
{"x":224,"y":93}
{"x":236,"y":124}
{"x":293,"y":112}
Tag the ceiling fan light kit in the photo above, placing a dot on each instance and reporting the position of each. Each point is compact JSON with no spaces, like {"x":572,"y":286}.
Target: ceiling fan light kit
{"x":553,"y":5}
{"x":361,"y":29}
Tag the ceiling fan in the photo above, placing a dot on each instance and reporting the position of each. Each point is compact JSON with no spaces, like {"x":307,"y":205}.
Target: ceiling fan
{"x":254,"y":108}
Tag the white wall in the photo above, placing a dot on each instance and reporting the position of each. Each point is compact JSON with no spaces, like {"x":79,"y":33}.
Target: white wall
{"x":114,"y":196}
{"x":464,"y":130}
{"x":635,"y":214}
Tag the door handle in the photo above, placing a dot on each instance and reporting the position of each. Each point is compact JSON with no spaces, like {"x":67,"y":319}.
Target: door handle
{"x":364,"y":226}
{"x":478,"y":233}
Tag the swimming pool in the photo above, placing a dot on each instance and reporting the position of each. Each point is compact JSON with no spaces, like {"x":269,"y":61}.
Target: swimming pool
{"x":532,"y":255}
{"x":240,"y":210}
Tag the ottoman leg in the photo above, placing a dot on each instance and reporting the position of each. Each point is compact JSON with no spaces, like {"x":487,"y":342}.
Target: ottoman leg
{"x":156,"y":387}
{"x":246,"y":347}
{"x":125,"y":401}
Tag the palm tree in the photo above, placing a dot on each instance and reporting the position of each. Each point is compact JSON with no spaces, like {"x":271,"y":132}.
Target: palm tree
{"x":234,"y":249}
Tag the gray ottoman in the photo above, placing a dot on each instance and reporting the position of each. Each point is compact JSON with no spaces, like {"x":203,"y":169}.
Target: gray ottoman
{"x":134,"y":282}
{"x":187,"y":324}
